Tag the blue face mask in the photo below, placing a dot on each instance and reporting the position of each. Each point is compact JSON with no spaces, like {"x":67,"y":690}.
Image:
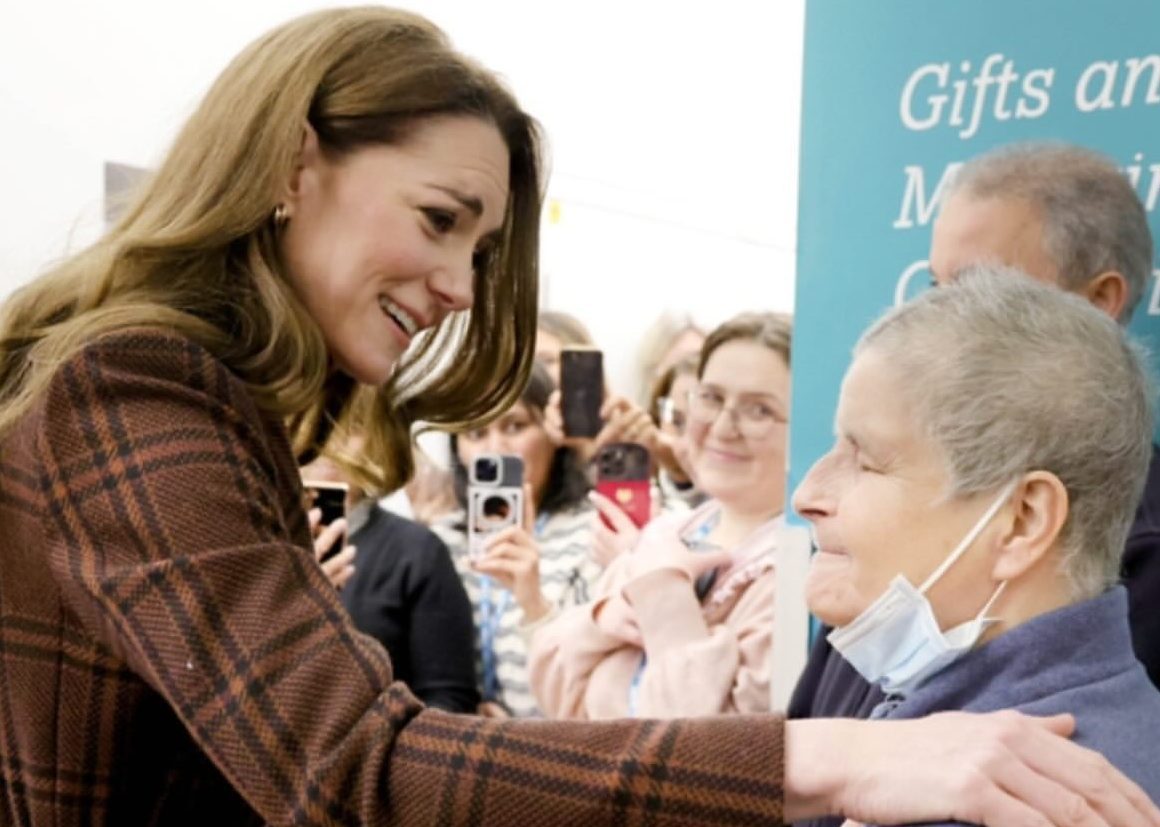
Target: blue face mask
{"x":896,"y":642}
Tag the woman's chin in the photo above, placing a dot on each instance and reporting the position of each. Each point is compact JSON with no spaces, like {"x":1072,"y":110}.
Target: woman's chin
{"x":741,"y":494}
{"x":831,"y":613}
{"x":829,"y":599}
{"x":374,"y":372}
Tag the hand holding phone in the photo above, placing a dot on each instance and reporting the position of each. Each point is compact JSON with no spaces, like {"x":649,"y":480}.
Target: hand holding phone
{"x":510,"y":556}
{"x":581,"y":391}
{"x":613,"y":534}
{"x":622,"y":476}
{"x":495,"y":499}
{"x":330,"y":499}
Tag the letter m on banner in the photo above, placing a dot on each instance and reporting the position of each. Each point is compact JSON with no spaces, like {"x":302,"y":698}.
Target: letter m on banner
{"x":914,"y":198}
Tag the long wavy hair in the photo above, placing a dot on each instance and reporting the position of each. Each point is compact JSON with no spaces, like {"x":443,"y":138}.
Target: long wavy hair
{"x":197,"y":250}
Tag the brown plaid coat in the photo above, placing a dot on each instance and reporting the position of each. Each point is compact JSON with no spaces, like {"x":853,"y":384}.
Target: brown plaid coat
{"x":170,"y":653}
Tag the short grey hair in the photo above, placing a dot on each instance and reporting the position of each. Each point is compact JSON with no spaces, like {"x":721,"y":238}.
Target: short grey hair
{"x":1008,"y":375}
{"x":1093,"y":221}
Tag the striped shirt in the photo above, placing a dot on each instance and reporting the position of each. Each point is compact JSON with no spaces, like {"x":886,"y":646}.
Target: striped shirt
{"x":567,"y":575}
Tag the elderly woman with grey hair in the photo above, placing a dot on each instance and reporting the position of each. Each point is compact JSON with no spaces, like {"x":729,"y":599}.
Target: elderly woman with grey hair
{"x":991,"y":443}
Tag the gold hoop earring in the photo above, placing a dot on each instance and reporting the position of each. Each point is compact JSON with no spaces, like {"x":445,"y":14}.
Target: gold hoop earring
{"x":281,"y":216}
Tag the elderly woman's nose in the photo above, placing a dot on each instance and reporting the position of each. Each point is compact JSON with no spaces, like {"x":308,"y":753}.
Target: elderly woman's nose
{"x":811,"y":499}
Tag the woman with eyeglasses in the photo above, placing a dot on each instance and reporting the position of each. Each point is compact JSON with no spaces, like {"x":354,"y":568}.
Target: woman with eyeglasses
{"x":682,"y":625}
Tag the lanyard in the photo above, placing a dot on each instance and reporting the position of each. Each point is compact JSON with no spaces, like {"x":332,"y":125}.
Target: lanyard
{"x":696,"y":540}
{"x":634,"y":687}
{"x":491,"y":612}
{"x":493,"y":605}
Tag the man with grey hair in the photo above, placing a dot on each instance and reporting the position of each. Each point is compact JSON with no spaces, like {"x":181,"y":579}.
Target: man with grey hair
{"x":1062,"y":214}
{"x":1069,"y":217}
{"x":1066,"y":216}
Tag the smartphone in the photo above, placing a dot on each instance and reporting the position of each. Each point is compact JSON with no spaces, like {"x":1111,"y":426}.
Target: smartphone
{"x":330,"y":499}
{"x":581,"y":390}
{"x":622,"y":475}
{"x":495,"y":499}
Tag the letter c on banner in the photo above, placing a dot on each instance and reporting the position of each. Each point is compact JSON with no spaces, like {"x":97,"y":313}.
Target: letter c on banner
{"x":903,"y":286}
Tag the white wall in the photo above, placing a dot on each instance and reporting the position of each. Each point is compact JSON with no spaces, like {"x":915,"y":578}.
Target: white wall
{"x":673,"y":134}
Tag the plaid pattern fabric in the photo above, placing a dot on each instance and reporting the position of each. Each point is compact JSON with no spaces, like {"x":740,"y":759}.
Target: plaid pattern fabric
{"x":170,"y":653}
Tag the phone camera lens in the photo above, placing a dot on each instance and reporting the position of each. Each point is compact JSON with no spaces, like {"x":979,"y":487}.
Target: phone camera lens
{"x":612,"y":461}
{"x":486,"y":470}
{"x":497,"y":508}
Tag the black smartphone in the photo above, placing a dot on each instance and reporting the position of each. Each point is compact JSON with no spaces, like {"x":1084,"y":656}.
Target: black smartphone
{"x":330,"y":499}
{"x":581,"y":390}
{"x":495,"y":498}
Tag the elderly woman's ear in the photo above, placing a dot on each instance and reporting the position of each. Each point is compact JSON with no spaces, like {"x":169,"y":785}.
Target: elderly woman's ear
{"x":1109,"y":292}
{"x":1039,"y":510}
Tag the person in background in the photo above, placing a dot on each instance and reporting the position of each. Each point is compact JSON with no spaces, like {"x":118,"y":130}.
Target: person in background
{"x":532,"y":569}
{"x":405,"y":593}
{"x":556,"y":330}
{"x":673,"y":487}
{"x":624,"y":420}
{"x":1067,"y":217}
{"x":670,"y":338}
{"x":668,"y":405}
{"x":683,"y":624}
{"x":430,"y":494}
{"x":992,"y":441}
{"x":172,"y":652}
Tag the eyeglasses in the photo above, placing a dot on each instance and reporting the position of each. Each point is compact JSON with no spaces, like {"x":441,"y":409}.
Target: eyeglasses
{"x":754,"y":418}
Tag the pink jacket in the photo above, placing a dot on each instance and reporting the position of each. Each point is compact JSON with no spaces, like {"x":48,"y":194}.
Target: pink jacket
{"x":703,"y":658}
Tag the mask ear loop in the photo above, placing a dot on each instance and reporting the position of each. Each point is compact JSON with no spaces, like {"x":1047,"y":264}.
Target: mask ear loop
{"x":991,"y":602}
{"x":953,"y":557}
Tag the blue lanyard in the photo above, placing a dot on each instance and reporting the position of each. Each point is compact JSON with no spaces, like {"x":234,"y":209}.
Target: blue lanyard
{"x":699,"y":535}
{"x":490,"y":616}
{"x":493,"y":605}
{"x":634,"y":687}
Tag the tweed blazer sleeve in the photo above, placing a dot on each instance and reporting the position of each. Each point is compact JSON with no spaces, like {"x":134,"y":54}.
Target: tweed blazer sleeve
{"x":174,"y":526}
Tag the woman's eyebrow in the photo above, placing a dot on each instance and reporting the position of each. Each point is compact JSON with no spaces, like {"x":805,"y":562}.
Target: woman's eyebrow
{"x":472,"y":203}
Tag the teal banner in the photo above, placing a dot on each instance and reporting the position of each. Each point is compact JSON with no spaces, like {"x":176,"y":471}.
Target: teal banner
{"x":898,"y":93}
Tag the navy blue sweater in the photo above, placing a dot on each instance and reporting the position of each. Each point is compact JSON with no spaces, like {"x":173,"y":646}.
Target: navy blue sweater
{"x":406,"y":593}
{"x":1077,"y":659}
